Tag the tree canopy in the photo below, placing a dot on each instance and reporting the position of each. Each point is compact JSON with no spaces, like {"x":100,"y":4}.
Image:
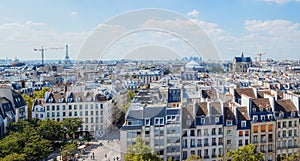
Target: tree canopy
{"x":245,"y":153}
{"x":194,"y":158}
{"x":140,"y":152}
{"x":34,"y":139}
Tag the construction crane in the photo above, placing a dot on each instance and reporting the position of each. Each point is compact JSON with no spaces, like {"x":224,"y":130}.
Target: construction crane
{"x":259,"y":56}
{"x":42,"y":49}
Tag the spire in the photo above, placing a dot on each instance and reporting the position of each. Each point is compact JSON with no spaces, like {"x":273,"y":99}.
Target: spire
{"x":67,"y":58}
{"x":242,"y":54}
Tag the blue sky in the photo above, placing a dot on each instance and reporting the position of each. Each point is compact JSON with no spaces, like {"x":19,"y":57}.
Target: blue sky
{"x":32,"y":23}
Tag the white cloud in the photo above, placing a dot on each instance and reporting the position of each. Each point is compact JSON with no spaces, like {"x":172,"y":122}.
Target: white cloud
{"x":281,"y":1}
{"x":29,"y":35}
{"x":74,"y":13}
{"x":193,"y":13}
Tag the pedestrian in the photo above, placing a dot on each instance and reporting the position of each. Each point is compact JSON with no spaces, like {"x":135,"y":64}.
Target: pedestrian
{"x":117,"y":158}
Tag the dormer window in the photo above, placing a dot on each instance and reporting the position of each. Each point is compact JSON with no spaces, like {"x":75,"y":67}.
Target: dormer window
{"x":281,"y":115}
{"x":147,"y":122}
{"x":292,"y":114}
{"x":202,"y":120}
{"x":61,"y":100}
{"x":263,"y":118}
{"x":70,"y":99}
{"x":254,"y":109}
{"x":270,"y":117}
{"x":78,"y":99}
{"x":255,"y":118}
{"x":261,"y":109}
{"x":217,"y":119}
{"x":50,"y":100}
{"x":243,"y":123}
{"x":228,"y":122}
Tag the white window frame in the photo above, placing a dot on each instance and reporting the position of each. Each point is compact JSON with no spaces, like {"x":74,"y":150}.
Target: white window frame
{"x":243,"y":124}
{"x":147,"y":124}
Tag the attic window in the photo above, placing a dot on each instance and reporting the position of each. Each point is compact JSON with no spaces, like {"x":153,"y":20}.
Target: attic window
{"x":147,"y":122}
{"x":229,"y":122}
{"x":255,"y":118}
{"x":217,"y":119}
{"x":261,"y":109}
{"x":254,"y":109}
{"x":263,"y":117}
{"x":243,"y":123}
{"x":292,"y":114}
{"x":202,"y":120}
{"x":281,"y":115}
{"x":61,"y":100}
{"x":270,"y":116}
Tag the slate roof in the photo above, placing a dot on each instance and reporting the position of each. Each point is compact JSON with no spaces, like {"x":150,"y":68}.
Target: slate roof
{"x":260,"y":94}
{"x":285,"y":105}
{"x":215,"y":108}
{"x":246,"y":91}
{"x":242,"y":113}
{"x":201,"y":109}
{"x":261,"y":103}
{"x":228,"y":113}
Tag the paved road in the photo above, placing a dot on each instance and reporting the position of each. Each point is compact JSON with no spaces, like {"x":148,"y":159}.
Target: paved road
{"x":110,"y":149}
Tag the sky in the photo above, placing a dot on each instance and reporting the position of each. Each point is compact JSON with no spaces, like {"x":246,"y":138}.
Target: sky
{"x":233,"y":26}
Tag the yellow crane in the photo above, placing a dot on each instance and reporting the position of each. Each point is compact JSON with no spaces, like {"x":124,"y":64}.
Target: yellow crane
{"x":42,"y":49}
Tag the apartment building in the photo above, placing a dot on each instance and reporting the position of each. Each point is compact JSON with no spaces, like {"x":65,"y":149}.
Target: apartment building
{"x":287,"y":121}
{"x":94,"y":108}
{"x":12,"y":108}
{"x":158,"y":125}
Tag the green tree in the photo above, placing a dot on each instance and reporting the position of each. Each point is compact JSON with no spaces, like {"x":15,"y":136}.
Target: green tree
{"x":170,"y":159}
{"x":14,"y":157}
{"x":193,"y":158}
{"x":293,"y":157}
{"x":245,"y":153}
{"x":71,"y":126}
{"x":40,"y":93}
{"x":29,"y":102}
{"x":50,"y":129}
{"x":10,"y":144}
{"x":140,"y":152}
{"x":68,"y":149}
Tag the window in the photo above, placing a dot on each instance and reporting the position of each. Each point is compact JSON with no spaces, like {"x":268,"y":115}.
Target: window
{"x":270,"y":148}
{"x":70,"y":113}
{"x":255,"y":118}
{"x":70,"y":107}
{"x":63,"y":107}
{"x":92,"y":113}
{"x":263,"y":128}
{"x":202,"y":120}
{"x":80,"y":107}
{"x":262,"y":148}
{"x":57,"y":107}
{"x":295,"y":123}
{"x":159,"y":121}
{"x":57,"y":114}
{"x":270,"y":128}
{"x":213,"y":131}
{"x":64,"y":113}
{"x":53,"y":114}
{"x":75,"y":107}
{"x":86,"y":113}
{"x":217,"y":120}
{"x":254,"y":109}
{"x":278,"y":134}
{"x":243,"y":124}
{"x":199,"y":132}
{"x":240,"y":133}
{"x":228,"y":132}
{"x":290,"y":133}
{"x":147,"y":122}
{"x":255,"y":129}
{"x":228,"y":142}
{"x":53,"y":107}
{"x":228,"y":122}
{"x":92,"y":106}
{"x":295,"y":132}
{"x":279,"y":124}
{"x":75,"y":113}
{"x":270,"y":117}
{"x":80,"y":113}
{"x":255,"y":139}
{"x":284,"y":124}
{"x":263,"y":117}
{"x":246,"y":133}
